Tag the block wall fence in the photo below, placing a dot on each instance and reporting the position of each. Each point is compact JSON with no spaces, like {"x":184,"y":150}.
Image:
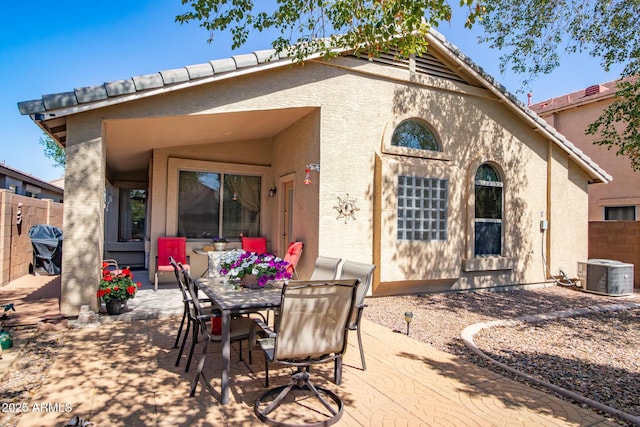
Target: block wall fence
{"x":16,"y":253}
{"x":616,"y":240}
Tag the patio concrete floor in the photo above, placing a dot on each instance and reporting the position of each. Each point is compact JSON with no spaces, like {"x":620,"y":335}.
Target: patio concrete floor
{"x":121,"y":371}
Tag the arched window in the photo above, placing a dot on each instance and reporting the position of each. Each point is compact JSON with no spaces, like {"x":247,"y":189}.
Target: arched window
{"x":488,"y":211}
{"x":414,"y":134}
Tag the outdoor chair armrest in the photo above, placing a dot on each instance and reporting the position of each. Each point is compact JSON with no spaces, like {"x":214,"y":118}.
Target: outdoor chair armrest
{"x":265,"y":330}
{"x":188,"y":299}
{"x":207,"y":316}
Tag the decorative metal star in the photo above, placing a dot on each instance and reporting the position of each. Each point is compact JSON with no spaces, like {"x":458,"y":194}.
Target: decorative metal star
{"x":346,"y":208}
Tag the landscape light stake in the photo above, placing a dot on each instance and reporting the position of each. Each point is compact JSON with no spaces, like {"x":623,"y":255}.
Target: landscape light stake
{"x":407,"y":318}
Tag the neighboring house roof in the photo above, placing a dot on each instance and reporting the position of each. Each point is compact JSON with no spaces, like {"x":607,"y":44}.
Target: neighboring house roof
{"x":27,"y":178}
{"x":50,"y":111}
{"x":591,"y":94}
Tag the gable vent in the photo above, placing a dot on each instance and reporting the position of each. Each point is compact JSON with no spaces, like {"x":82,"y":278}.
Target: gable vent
{"x":429,"y":64}
{"x":593,"y":90}
{"x":426,"y":64}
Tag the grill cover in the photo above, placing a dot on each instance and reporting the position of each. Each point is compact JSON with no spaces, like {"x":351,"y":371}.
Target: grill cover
{"x":47,"y":249}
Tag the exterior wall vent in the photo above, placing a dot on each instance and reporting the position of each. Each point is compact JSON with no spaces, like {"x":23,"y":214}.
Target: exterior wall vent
{"x":426,"y":64}
{"x":594,"y":90}
{"x":607,"y":277}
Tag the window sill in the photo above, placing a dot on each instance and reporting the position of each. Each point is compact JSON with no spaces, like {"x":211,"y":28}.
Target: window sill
{"x":489,"y":264}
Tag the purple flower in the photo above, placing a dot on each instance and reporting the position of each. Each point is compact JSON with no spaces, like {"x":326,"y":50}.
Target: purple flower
{"x":239,"y":263}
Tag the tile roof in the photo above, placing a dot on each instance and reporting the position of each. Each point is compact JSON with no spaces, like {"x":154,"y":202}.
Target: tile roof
{"x":87,"y":98}
{"x":589,"y":94}
{"x":113,"y":89}
{"x":527,"y":113}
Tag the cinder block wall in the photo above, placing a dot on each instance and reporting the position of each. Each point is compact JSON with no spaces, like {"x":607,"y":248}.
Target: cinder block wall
{"x":16,"y":253}
{"x":616,"y":240}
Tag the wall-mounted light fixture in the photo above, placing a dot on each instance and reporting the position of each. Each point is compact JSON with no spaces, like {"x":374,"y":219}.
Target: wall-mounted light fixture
{"x":310,"y":167}
{"x":272,"y":192}
{"x":235,"y":196}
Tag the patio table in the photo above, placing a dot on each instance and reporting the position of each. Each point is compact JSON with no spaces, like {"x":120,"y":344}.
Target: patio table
{"x":211,"y":269}
{"x":236,"y":301}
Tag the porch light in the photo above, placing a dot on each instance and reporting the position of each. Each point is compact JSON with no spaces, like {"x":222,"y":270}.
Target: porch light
{"x":310,"y":167}
{"x":272,"y":192}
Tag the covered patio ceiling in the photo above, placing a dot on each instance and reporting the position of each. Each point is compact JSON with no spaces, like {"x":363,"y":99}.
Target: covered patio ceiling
{"x":130,"y":142}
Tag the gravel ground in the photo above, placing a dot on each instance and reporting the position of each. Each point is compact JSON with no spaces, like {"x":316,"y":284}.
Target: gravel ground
{"x":595,"y":355}
{"x":27,"y":372}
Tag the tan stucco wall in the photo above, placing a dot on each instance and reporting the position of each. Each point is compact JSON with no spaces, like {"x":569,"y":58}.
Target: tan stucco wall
{"x":293,"y":149}
{"x":83,"y":214}
{"x":355,"y":107}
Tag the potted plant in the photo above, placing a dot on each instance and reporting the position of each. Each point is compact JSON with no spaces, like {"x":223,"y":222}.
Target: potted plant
{"x":220,"y":243}
{"x":116,"y":287}
{"x":249,"y":267}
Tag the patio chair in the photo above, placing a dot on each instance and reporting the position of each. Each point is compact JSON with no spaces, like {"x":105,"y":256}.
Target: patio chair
{"x":112,"y":266}
{"x":294,"y":251}
{"x":255,"y":244}
{"x":364,"y":272}
{"x":186,"y":300}
{"x":313,"y":329}
{"x":239,"y":330}
{"x":326,"y":268}
{"x":188,"y":314}
{"x":175,"y":247}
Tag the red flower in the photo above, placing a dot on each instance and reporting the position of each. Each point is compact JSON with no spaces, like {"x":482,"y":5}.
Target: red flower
{"x":117,"y":285}
{"x":139,"y":284}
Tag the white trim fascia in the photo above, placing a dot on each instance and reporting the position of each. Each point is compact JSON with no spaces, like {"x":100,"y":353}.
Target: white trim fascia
{"x":81,"y":108}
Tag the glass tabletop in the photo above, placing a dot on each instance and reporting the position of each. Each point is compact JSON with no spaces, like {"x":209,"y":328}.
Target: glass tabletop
{"x":229,"y":296}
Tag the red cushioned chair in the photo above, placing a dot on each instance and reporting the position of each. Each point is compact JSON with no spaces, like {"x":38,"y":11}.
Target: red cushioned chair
{"x":175,"y":247}
{"x":255,"y":244}
{"x":293,"y":256}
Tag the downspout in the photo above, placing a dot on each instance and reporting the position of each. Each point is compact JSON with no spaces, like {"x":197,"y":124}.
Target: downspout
{"x":548,"y":212}
{"x":377,"y":223}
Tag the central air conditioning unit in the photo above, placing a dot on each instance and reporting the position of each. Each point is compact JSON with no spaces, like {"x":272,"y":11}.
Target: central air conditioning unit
{"x":606,"y":277}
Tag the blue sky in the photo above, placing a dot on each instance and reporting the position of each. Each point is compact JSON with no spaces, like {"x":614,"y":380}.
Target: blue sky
{"x":55,"y":46}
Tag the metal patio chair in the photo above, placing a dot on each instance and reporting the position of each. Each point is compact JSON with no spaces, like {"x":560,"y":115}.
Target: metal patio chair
{"x":364,"y":272}
{"x":313,"y":329}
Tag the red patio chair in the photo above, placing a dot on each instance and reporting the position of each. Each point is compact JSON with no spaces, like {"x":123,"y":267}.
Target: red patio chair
{"x":175,"y":247}
{"x":293,"y":256}
{"x":255,"y":244}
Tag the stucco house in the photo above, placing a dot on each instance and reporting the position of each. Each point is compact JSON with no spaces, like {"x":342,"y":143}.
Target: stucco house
{"x":571,"y":114}
{"x":24,"y":184}
{"x":426,"y":167}
{"x":614,"y":208}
